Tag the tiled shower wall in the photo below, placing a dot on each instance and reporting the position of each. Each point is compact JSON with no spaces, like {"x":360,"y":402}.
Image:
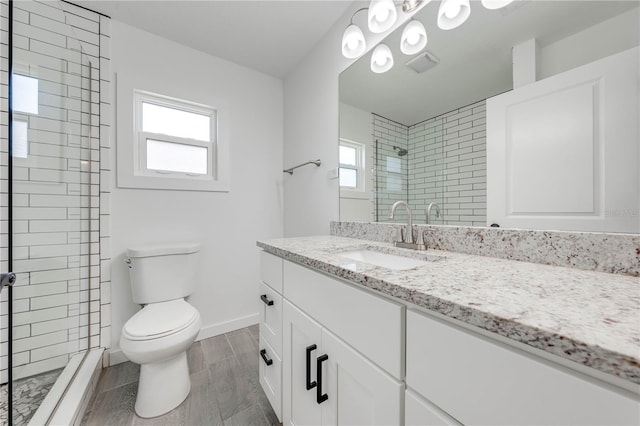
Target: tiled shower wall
{"x":61,"y":306}
{"x":446,"y":165}
{"x":390,"y":175}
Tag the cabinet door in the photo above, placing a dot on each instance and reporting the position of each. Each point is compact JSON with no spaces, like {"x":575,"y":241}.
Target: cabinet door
{"x":419,"y":411}
{"x":299,"y":333}
{"x":358,"y":392}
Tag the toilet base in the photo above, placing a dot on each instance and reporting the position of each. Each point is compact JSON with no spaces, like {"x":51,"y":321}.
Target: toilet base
{"x":163,"y":386}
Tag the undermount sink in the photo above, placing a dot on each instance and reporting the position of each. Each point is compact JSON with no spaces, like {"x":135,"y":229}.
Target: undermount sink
{"x":385,"y":260}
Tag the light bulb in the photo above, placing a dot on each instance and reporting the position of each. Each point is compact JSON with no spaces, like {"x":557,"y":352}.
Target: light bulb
{"x":382,"y":14}
{"x":452,"y":10}
{"x":381,"y":59}
{"x":414,"y":38}
{"x":495,"y":4}
{"x":353,"y":43}
{"x":453,"y":13}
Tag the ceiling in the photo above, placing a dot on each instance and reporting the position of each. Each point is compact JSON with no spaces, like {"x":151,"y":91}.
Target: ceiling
{"x":268,"y":36}
{"x":475,"y":58}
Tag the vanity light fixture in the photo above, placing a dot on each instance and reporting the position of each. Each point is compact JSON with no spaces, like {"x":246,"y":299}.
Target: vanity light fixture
{"x":414,"y":38}
{"x":495,"y":4}
{"x":353,"y":42}
{"x":453,"y":13}
{"x":381,"y":59}
{"x":382,"y":15}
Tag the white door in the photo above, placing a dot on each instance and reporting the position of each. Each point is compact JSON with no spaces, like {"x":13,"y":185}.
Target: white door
{"x":358,"y":392}
{"x":300,"y":336}
{"x":563,"y":153}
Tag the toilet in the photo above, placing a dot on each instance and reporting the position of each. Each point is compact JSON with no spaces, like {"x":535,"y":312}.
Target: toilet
{"x":157,"y":337}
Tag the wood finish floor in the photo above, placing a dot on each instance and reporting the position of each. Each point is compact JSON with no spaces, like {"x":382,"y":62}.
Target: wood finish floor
{"x":224,"y":388}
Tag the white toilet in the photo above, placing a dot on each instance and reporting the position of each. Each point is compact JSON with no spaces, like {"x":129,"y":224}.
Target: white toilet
{"x":158,"y":336}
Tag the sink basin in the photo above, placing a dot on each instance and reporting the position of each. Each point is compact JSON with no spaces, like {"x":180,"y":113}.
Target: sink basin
{"x":385,"y":260}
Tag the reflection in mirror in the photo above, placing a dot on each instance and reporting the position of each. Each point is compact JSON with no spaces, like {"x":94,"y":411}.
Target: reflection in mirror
{"x":524,"y":117}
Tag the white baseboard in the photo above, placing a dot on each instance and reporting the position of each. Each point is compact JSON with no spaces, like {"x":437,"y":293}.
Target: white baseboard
{"x":116,"y":356}
{"x":227,"y":326}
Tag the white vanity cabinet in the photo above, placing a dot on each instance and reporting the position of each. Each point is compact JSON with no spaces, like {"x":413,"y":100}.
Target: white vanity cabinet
{"x":327,"y":382}
{"x":476,"y":380}
{"x":344,"y":355}
{"x":270,"y":363}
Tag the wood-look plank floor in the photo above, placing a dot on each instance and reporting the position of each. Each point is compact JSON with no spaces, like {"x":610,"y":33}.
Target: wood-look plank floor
{"x":225,"y":389}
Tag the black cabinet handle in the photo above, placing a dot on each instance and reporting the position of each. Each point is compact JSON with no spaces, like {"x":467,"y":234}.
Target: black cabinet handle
{"x":320,"y":397}
{"x":265,"y":358}
{"x":266,"y":300}
{"x":310,"y":384}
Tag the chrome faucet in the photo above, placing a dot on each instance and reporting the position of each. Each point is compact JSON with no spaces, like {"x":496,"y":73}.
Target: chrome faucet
{"x":409,"y":233}
{"x":429,"y":207}
{"x":407,"y":241}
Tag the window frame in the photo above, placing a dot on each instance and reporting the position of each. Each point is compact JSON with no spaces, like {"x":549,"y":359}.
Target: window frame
{"x":143,"y":137}
{"x":359,"y":167}
{"x":132,"y":171}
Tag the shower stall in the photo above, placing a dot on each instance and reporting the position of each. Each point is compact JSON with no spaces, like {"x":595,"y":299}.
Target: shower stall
{"x":50,"y":202}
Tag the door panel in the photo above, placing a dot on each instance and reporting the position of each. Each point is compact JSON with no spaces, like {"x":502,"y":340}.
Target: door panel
{"x":300,"y":332}
{"x":359,"y":393}
{"x":563,"y":153}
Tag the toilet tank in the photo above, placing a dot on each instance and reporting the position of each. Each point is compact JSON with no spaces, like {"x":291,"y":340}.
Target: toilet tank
{"x":162,"y":272}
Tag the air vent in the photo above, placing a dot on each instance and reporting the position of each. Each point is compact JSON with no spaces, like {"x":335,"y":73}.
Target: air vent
{"x":423,"y":62}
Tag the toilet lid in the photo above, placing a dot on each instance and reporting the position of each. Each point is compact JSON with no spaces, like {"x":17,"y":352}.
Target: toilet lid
{"x":160,"y":319}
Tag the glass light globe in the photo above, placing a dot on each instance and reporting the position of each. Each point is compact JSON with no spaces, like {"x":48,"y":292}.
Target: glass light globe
{"x":452,"y":10}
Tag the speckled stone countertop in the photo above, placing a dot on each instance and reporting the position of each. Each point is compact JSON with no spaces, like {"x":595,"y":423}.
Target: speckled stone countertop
{"x":592,"y":318}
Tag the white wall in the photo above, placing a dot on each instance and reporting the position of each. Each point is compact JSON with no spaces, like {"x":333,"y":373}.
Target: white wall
{"x":227,"y":224}
{"x":311,"y":131}
{"x":357,"y":125}
{"x":612,"y":36}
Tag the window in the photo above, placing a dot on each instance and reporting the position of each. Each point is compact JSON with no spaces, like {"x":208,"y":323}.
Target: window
{"x":176,"y":145}
{"x":174,"y":137}
{"x":351,"y":158}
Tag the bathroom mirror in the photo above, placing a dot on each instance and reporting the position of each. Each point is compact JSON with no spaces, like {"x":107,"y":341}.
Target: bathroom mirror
{"x":421,"y":136}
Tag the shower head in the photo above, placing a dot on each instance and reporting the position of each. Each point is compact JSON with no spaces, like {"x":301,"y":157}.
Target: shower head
{"x":401,"y":151}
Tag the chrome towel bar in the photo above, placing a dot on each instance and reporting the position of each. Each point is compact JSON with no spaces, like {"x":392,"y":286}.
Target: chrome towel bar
{"x":290,"y":171}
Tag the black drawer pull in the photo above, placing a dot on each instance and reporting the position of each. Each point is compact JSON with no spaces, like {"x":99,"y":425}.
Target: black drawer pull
{"x":320,"y":397}
{"x":266,"y":300}
{"x":267,"y":360}
{"x":310,"y":384}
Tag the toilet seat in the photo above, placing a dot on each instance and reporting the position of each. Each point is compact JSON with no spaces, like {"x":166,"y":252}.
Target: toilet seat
{"x":161,"y":319}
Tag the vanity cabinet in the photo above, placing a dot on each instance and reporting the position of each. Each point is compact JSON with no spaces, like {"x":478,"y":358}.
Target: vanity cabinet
{"x":327,"y":382}
{"x":344,"y":355}
{"x":270,"y":363}
{"x":476,"y":380}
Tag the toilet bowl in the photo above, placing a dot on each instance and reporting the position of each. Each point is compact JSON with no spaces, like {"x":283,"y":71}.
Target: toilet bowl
{"x":158,"y":336}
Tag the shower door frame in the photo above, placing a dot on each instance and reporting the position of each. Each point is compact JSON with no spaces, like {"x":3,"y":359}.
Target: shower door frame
{"x":97,"y":337}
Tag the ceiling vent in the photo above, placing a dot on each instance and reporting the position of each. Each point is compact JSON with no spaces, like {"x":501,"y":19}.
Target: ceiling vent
{"x":423,"y":62}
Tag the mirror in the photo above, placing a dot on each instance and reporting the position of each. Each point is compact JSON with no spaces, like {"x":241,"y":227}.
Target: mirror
{"x":422,"y":136}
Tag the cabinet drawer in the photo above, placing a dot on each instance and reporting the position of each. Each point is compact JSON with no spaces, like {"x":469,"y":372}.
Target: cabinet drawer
{"x":372,"y":325}
{"x":271,"y":376}
{"x":271,"y":270}
{"x":479,"y":381}
{"x":419,"y":411}
{"x":271,"y":317}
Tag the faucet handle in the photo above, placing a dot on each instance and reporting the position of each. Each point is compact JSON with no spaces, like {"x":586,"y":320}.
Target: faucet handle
{"x":402,"y":234}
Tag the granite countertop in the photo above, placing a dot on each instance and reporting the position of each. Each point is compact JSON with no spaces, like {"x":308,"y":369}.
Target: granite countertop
{"x":592,"y":318}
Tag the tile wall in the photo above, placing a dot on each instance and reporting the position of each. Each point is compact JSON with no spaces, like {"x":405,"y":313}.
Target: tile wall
{"x":61,"y":198}
{"x":445,"y":164}
{"x":390,"y":174}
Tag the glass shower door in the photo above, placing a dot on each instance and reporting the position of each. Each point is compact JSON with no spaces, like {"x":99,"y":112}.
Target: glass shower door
{"x":50,"y":204}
